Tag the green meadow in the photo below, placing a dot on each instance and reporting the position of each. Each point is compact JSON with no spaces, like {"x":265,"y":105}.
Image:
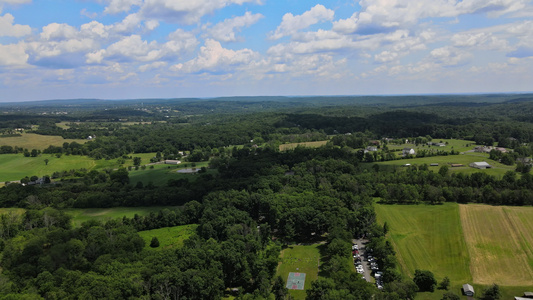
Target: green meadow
{"x":13,"y":167}
{"x":168,"y":237}
{"x":80,"y":215}
{"x":498,"y":169}
{"x":36,"y":141}
{"x":303,"y":259}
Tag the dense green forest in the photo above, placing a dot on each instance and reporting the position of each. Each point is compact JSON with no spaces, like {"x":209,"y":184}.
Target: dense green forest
{"x":258,"y":202}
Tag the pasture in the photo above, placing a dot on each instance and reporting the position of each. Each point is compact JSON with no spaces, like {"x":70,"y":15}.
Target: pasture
{"x":36,"y":141}
{"x":303,"y":259}
{"x":168,"y":237}
{"x":451,"y":144}
{"x":429,"y":238}
{"x":80,"y":215}
{"x":285,"y":147}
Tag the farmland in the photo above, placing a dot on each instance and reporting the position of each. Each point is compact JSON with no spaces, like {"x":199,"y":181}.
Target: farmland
{"x":36,"y":141}
{"x":472,"y":243}
{"x":285,"y":147}
{"x":168,"y":237}
{"x":500,"y":243}
{"x":428,"y":237}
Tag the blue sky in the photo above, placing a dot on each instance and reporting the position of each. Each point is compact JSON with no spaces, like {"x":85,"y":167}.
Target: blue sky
{"x":122,"y":49}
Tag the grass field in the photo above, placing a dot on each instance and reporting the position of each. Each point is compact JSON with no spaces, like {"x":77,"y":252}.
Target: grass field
{"x":168,"y":237}
{"x":36,"y":141}
{"x":303,"y":259}
{"x":80,"y":215}
{"x":500,"y":243}
{"x":15,"y":166}
{"x":456,"y":145}
{"x":428,"y":238}
{"x":285,"y":147}
{"x":478,"y":244}
{"x":497,"y":169}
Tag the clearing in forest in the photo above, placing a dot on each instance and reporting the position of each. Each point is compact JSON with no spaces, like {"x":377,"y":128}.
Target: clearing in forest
{"x":300,"y":259}
{"x":285,"y":147}
{"x":500,"y":243}
{"x":80,"y":215}
{"x":428,"y":237}
{"x":168,"y":237}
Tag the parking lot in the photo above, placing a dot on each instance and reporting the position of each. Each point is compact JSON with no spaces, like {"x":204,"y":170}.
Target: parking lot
{"x":364,"y":262}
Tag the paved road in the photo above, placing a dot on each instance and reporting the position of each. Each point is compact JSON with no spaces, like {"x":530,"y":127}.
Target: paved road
{"x":366,"y":265}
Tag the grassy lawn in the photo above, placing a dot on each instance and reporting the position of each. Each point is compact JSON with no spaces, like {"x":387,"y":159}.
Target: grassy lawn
{"x":80,"y":215}
{"x":500,"y":243}
{"x":456,"y":145}
{"x":161,"y":173}
{"x":15,"y":166}
{"x":497,"y":169}
{"x":36,"y":141}
{"x":428,"y":238}
{"x":168,"y":237}
{"x":303,"y":259}
{"x":285,"y":147}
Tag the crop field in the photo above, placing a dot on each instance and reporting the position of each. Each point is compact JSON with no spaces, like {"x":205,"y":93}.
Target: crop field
{"x":168,"y":237}
{"x":500,"y":243}
{"x":285,"y":147}
{"x":302,"y":259}
{"x":479,"y":244}
{"x":80,"y":215}
{"x":428,"y":237}
{"x":36,"y":141}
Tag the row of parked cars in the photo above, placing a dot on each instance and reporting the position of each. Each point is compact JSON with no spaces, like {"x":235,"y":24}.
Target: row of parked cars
{"x":358,"y":261}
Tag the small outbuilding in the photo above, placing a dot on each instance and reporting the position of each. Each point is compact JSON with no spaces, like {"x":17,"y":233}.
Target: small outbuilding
{"x":468,"y":290}
{"x":480,"y":165}
{"x":172,"y":162}
{"x":408,"y":151}
{"x":528,"y":295}
{"x":434,"y":164}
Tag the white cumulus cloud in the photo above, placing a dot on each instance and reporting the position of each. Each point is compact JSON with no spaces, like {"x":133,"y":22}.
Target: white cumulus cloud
{"x":214,"y":58}
{"x":291,"y":24}
{"x":185,"y":11}
{"x":7,"y":28}
{"x":226,"y":31}
{"x":12,"y":55}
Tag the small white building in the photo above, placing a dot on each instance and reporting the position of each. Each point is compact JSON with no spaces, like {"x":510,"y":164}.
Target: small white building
{"x":408,"y":151}
{"x":480,"y":165}
{"x":468,"y":290}
{"x":172,"y":162}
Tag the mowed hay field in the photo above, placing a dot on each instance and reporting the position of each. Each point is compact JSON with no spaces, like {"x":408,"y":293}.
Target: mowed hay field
{"x":500,"y":243}
{"x":303,"y":259}
{"x":428,"y":238}
{"x":291,"y":146}
{"x":36,"y":141}
{"x":80,"y":215}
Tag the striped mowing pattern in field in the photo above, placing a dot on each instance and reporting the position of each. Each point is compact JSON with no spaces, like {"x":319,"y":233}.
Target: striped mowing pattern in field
{"x":428,"y":238}
{"x":499,"y":240}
